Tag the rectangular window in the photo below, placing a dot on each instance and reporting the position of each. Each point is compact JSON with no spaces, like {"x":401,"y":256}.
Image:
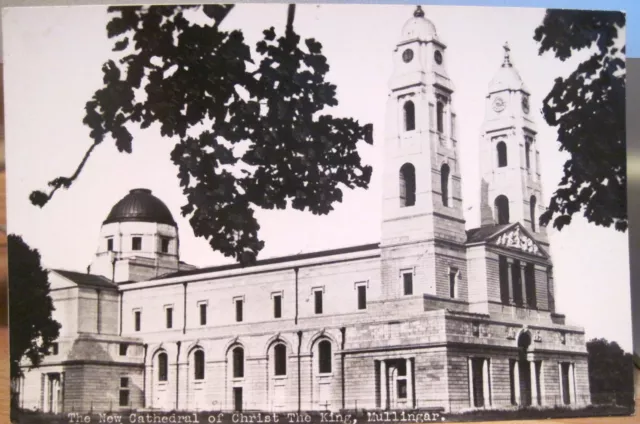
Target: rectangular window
{"x":453,"y":277}
{"x":137,"y":320}
{"x":164,"y":244}
{"x":362,"y":297}
{"x":503,"y":270}
{"x":277,"y":306}
{"x":516,"y":279}
{"x":453,"y":126}
{"x":440,"y":116}
{"x":123,"y":349}
{"x":475,"y":329}
{"x":136,"y":243}
{"x":169,"y":316}
{"x":530,"y":285}
{"x":124,"y":391}
{"x":203,"y":313}
{"x":54,"y":348}
{"x":407,"y":278}
{"x":109,"y":244}
{"x":402,"y":389}
{"x":239,"y":310}
{"x":318,"y":301}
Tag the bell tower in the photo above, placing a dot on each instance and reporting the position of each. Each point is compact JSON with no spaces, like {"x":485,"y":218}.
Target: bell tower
{"x":511,"y":189}
{"x":422,"y":213}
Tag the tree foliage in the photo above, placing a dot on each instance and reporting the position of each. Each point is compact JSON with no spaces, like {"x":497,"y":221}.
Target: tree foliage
{"x":249,"y":126}
{"x":610,"y":373}
{"x":588,"y":108}
{"x":31,"y":327}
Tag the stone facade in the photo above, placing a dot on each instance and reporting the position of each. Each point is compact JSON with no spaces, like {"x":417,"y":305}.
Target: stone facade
{"x":435,"y":316}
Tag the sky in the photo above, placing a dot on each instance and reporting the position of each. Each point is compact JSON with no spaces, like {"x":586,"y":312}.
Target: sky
{"x":53,"y":58}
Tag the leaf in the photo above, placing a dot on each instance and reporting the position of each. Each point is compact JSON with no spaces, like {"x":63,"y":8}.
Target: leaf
{"x":181,"y":74}
{"x":121,"y":45}
{"x":590,"y":128}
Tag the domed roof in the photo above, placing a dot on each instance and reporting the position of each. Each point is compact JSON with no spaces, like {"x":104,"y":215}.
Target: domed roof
{"x":507,"y":77}
{"x":419,"y":27}
{"x":141,"y":206}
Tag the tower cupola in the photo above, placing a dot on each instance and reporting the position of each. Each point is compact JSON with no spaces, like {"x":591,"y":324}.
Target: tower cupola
{"x":507,"y":77}
{"x":419,"y":28}
{"x":138,"y":239}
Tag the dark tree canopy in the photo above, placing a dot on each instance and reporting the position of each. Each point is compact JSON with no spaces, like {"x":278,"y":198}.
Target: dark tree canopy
{"x":610,"y":373}
{"x":32,"y":329}
{"x":249,"y":126}
{"x":588,"y":108}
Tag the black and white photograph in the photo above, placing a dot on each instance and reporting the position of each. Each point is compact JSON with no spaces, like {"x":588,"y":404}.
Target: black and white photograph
{"x":294,"y":213}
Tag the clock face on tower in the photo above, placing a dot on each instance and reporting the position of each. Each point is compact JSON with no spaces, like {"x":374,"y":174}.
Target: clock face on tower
{"x":499,"y":104}
{"x":525,"y":104}
{"x":438,"y":57}
{"x":407,"y":55}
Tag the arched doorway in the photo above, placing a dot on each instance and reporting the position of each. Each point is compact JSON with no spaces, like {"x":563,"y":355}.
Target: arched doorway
{"x":279,"y":377}
{"x":525,"y":374}
{"x":524,"y":342}
{"x":160,"y":381}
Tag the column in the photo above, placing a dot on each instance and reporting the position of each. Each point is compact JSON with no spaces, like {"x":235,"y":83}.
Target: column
{"x":47,"y":393}
{"x":410,"y":400}
{"x":43,"y":391}
{"x":510,"y":279}
{"x":62,"y":394}
{"x":534,"y":384}
{"x":516,"y":381}
{"x":572,"y":384}
{"x":471,"y":397}
{"x":523,"y":283}
{"x":485,"y":383}
{"x":384,"y":388}
{"x":561,"y":384}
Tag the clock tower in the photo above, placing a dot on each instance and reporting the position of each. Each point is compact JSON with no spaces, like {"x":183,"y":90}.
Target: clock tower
{"x":511,"y":190}
{"x":423,"y":229}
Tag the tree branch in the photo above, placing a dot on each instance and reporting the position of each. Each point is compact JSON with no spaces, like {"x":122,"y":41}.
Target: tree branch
{"x":291,"y":14}
{"x":40,"y":198}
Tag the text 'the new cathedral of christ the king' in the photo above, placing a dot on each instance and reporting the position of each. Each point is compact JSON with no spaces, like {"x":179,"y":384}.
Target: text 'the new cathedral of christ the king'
{"x":435,"y":315}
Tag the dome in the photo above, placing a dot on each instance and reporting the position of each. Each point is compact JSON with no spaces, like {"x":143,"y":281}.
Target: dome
{"x":140,"y":206}
{"x":419,"y":27}
{"x":507,"y":77}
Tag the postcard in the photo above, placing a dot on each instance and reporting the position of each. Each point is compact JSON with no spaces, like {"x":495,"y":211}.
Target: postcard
{"x":294,"y":213}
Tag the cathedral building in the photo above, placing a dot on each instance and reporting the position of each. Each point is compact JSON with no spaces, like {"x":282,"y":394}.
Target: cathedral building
{"x":435,"y":315}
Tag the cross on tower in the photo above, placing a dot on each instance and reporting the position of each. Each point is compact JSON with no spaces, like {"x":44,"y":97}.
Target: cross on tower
{"x":507,"y":51}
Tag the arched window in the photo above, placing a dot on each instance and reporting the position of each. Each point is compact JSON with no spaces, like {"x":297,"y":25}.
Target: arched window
{"x":501,"y":148}
{"x":444,"y":184}
{"x":280,"y":359}
{"x":163,"y":367}
{"x":502,"y":209}
{"x":324,"y":356}
{"x":532,"y":212}
{"x":407,"y":185}
{"x":198,"y":365}
{"x":440,"y":116}
{"x":409,"y":116}
{"x":527,"y":153}
{"x":238,"y":362}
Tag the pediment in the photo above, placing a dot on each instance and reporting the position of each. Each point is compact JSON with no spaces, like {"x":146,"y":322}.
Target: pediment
{"x":518,"y":239}
{"x":57,"y":281}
